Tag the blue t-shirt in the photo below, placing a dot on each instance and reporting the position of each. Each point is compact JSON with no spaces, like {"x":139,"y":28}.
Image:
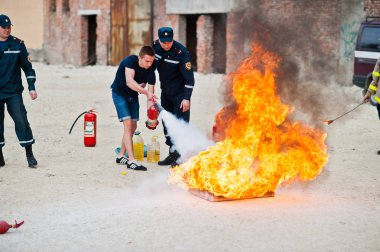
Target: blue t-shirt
{"x":142,"y":75}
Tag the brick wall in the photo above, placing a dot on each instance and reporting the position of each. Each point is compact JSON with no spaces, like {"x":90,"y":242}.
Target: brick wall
{"x":65,"y":32}
{"x":306,"y":29}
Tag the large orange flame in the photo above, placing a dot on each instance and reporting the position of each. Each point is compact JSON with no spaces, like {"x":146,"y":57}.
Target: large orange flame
{"x":260,"y":148}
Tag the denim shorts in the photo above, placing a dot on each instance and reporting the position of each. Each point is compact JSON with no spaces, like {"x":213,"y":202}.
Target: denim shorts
{"x":126,"y":107}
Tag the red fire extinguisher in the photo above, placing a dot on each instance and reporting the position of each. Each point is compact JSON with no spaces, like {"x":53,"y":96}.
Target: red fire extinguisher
{"x":89,"y":138}
{"x":152,"y":113}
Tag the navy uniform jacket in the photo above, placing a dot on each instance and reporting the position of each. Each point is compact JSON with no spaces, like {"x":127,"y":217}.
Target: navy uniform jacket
{"x":13,"y":56}
{"x":174,"y":68}
{"x":142,"y":75}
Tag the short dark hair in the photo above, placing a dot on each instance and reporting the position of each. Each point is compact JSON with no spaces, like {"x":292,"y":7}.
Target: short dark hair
{"x":146,"y":50}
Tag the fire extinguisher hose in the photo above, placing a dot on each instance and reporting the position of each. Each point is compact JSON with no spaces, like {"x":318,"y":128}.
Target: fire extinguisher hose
{"x":90,"y":111}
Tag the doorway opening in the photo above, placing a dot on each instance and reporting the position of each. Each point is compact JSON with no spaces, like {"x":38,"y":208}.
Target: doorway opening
{"x":219,"y":42}
{"x":191,"y":38}
{"x":91,"y":49}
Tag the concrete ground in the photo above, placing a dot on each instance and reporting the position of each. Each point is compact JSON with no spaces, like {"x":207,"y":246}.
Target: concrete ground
{"x":79,"y":200}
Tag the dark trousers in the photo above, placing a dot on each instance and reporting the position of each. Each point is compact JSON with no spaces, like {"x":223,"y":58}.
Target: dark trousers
{"x":378,"y":109}
{"x":17,"y":111}
{"x":172,"y":104}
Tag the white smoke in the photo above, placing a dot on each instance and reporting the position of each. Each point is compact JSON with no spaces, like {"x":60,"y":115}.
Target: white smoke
{"x":188,"y":139}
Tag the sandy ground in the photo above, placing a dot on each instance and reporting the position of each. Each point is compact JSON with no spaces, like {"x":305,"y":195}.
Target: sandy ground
{"x":78,"y":200}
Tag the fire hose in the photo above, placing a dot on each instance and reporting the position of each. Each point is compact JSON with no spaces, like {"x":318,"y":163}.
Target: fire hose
{"x":89,"y":111}
{"x":327,"y":122}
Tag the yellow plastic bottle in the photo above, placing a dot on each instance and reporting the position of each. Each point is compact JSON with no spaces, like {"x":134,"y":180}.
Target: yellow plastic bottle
{"x":138,"y":146}
{"x":153,"y":154}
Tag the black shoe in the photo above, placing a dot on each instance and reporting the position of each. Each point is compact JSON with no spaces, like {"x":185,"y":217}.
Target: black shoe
{"x":2,"y":162}
{"x":134,"y":165}
{"x":173,"y":156}
{"x":122,"y":160}
{"x":32,"y":162}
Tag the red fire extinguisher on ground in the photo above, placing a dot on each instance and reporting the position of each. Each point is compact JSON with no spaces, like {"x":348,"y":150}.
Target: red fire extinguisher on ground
{"x":89,"y":137}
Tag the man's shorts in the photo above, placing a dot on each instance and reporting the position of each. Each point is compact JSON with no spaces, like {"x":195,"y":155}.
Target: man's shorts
{"x":126,"y":107}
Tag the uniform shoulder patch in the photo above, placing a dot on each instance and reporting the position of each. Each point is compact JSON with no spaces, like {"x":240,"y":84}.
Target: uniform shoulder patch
{"x":17,"y":39}
{"x":188,"y":65}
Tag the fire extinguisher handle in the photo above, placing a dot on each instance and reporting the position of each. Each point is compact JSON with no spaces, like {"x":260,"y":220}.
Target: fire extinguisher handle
{"x":153,"y":100}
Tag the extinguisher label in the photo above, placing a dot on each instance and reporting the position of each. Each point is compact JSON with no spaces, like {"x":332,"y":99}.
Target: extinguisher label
{"x":89,"y":129}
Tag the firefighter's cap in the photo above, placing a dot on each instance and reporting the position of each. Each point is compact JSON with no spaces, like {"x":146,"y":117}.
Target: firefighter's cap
{"x":5,"y":21}
{"x":165,"y":34}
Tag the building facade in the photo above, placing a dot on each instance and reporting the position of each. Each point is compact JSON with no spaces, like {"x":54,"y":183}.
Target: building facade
{"x":217,"y":33}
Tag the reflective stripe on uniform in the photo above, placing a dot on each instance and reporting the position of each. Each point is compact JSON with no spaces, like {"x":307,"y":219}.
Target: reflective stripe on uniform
{"x":12,"y":51}
{"x":375,"y":73}
{"x":377,"y":99}
{"x":30,"y":77}
{"x":29,"y":141}
{"x":2,"y":142}
{"x":188,"y":86}
{"x":172,"y":61}
{"x":372,"y":87}
{"x":157,"y":56}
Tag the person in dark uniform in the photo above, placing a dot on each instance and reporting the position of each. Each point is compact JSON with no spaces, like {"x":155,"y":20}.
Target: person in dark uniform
{"x":177,"y":82}
{"x":373,"y":92}
{"x":13,"y":58}
{"x":133,"y":74}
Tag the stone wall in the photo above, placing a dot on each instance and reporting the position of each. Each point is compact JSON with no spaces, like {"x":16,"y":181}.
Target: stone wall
{"x":372,"y":7}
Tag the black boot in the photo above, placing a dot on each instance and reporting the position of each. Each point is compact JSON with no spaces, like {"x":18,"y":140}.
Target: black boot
{"x":32,"y":162}
{"x":378,"y":152}
{"x":2,"y":162}
{"x":173,"y":156}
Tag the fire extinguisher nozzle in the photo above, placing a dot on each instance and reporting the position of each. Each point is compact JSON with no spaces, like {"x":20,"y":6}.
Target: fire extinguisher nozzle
{"x":159,"y":107}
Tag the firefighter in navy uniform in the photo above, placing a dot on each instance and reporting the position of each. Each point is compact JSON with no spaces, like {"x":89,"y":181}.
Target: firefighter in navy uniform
{"x":177,"y":83}
{"x":13,"y":58}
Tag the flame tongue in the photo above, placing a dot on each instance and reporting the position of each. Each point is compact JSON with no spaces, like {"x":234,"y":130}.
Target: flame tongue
{"x":260,"y":149}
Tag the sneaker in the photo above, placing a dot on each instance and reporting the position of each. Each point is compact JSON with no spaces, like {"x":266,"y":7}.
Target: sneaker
{"x":32,"y":162}
{"x":173,"y":156}
{"x":133,"y":164}
{"x":122,"y":160}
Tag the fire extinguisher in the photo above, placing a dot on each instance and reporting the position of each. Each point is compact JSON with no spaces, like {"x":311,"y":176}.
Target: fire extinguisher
{"x":152,"y":114}
{"x":89,"y":137}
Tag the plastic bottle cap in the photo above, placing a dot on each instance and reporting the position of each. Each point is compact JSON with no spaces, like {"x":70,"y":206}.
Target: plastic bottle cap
{"x":137,"y":132}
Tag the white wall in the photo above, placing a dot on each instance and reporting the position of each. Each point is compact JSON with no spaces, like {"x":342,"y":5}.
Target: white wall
{"x":27,"y":19}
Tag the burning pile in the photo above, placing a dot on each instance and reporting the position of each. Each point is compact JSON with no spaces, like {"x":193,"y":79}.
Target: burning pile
{"x":260,"y":148}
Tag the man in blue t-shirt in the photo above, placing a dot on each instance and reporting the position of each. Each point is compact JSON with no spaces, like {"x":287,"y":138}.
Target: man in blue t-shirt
{"x":133,"y":74}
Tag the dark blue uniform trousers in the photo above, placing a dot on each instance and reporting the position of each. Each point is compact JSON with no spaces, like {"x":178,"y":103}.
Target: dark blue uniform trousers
{"x":17,"y":111}
{"x":171,"y":104}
